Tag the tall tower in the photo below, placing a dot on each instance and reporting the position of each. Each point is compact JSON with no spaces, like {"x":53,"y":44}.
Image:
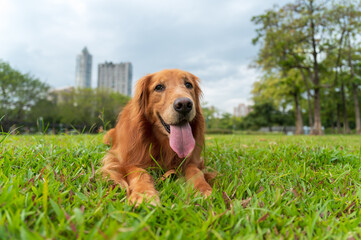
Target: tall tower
{"x":117,"y":77}
{"x":83,"y":72}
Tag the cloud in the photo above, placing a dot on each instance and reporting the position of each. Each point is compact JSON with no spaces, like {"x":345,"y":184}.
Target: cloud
{"x":226,"y":91}
{"x":207,"y":37}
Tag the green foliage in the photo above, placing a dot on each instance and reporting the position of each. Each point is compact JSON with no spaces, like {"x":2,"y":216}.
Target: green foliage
{"x":217,"y":122}
{"x":92,"y":107}
{"x":312,"y":44}
{"x":219,"y":131}
{"x":25,"y":99}
{"x":268,"y":187}
{"x":18,"y":93}
{"x":265,"y":114}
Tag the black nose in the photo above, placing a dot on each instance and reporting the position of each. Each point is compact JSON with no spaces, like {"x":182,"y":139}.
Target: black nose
{"x":183,"y":105}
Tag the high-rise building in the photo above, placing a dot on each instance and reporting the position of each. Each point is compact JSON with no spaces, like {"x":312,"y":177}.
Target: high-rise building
{"x":83,"y":72}
{"x":117,"y":77}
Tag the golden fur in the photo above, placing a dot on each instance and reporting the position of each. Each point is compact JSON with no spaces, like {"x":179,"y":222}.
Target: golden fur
{"x":139,"y":135}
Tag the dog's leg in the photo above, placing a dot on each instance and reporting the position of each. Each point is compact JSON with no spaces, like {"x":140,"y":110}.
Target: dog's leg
{"x":113,"y":170}
{"x":141,"y":186}
{"x":196,"y":177}
{"x":109,"y":137}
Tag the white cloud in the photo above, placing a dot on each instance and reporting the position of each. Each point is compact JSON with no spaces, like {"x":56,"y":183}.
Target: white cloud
{"x":227,"y":92}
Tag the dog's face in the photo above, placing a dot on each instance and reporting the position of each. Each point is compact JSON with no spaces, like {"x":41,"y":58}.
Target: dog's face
{"x":172,"y":98}
{"x":170,"y":101}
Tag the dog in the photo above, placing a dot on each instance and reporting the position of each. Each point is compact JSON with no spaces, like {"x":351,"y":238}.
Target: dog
{"x":162,"y":126}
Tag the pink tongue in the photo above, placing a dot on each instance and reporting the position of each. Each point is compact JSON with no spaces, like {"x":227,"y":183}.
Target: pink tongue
{"x":181,"y":140}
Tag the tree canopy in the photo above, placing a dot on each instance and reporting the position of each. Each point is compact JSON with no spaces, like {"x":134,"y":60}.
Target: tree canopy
{"x":309,"y":53}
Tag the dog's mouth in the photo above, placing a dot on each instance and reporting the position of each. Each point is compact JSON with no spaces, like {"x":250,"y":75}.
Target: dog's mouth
{"x":181,"y":138}
{"x":166,"y":126}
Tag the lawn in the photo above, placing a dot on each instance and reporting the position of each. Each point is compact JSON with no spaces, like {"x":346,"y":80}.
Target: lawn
{"x":267,"y":187}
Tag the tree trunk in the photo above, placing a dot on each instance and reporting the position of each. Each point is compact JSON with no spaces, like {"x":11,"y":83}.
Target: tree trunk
{"x":332,"y":120}
{"x":357,"y":108}
{"x":354,"y":89}
{"x":317,"y":126}
{"x":299,"y":121}
{"x":338,"y":124}
{"x":310,"y":121}
{"x":310,"y":117}
{"x":346,"y":128}
{"x":338,"y":61}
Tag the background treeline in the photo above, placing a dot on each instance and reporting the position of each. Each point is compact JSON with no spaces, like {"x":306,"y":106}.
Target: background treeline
{"x":263,"y":114}
{"x":310,"y":53}
{"x":28,"y":105}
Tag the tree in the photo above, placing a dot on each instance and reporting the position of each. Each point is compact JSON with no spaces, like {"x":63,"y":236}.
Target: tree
{"x":45,"y":109}
{"x":280,"y":59}
{"x":210,"y":114}
{"x":344,"y":24}
{"x":281,"y":91}
{"x":299,"y":36}
{"x":265,"y":114}
{"x":19,"y":93}
{"x":352,"y":25}
{"x":93,"y":107}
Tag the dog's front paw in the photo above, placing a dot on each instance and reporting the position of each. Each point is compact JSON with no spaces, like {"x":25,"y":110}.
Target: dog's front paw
{"x":151,"y":197}
{"x":204,"y":189}
{"x":207,"y":193}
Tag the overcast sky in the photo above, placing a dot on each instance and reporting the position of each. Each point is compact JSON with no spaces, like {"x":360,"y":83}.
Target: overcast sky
{"x":209,"y":38}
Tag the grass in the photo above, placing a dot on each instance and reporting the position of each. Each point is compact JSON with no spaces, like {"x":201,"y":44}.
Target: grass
{"x":268,"y":187}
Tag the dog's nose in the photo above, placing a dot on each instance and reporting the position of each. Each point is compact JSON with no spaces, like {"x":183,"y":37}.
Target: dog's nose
{"x":183,"y":105}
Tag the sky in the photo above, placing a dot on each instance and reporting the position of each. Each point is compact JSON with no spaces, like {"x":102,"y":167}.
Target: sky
{"x":210,"y":38}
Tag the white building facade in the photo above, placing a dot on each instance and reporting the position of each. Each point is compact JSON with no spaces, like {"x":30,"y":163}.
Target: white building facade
{"x":117,"y":77}
{"x":83,"y":71}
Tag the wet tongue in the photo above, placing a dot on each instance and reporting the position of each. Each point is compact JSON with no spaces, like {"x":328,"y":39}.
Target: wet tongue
{"x":181,"y":139}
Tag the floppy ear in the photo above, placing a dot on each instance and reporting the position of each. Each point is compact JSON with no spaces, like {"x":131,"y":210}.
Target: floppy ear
{"x":197,"y":89}
{"x":141,"y":92}
{"x":198,"y":124}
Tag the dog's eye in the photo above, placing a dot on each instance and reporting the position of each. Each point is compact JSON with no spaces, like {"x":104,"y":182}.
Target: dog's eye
{"x":159,"y":88}
{"x":189,"y":85}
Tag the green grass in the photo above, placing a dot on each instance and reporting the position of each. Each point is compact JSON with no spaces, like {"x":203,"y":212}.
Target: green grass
{"x":267,"y":187}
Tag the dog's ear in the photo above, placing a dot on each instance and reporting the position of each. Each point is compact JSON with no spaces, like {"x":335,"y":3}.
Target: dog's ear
{"x":142,"y":93}
{"x":198,"y":124}
{"x":197,"y":89}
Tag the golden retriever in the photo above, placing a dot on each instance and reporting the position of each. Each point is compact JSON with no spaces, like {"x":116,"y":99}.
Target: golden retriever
{"x":162,"y":126}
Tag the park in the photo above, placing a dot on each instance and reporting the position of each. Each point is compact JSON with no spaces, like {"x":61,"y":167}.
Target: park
{"x":272,"y":87}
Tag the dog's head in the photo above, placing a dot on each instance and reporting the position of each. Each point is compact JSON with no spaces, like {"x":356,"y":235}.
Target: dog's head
{"x":169,"y":99}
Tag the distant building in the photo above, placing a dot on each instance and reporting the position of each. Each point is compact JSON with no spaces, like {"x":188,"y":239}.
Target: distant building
{"x":83,"y":72}
{"x":60,"y":95}
{"x":242,"y":110}
{"x":117,"y":77}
